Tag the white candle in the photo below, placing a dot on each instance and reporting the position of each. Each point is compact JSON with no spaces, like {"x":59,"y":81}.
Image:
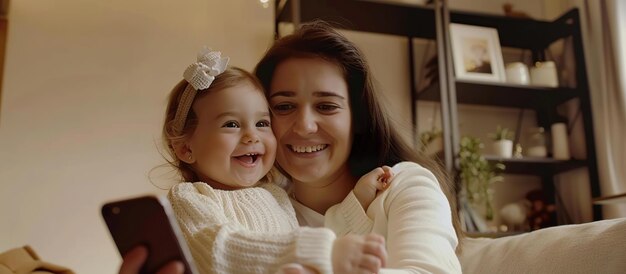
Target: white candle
{"x":560,"y":142}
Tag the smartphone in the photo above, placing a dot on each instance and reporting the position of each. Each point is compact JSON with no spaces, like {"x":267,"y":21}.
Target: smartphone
{"x":148,"y":221}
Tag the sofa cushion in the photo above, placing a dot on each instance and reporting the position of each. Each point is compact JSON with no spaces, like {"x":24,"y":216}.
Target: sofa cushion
{"x":596,"y":247}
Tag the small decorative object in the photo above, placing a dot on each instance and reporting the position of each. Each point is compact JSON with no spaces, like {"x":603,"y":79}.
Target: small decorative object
{"x":264,"y":3}
{"x":477,"y":54}
{"x":478,"y":175}
{"x":431,"y":141}
{"x":503,"y":145}
{"x":510,"y":12}
{"x":544,"y":74}
{"x":517,"y":73}
{"x":560,"y":143}
{"x":537,"y":143}
{"x":541,"y":214}
{"x":517,"y":152}
{"x":514,"y":215}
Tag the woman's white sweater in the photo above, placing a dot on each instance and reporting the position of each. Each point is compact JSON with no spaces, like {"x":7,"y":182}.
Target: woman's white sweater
{"x":413,"y":215}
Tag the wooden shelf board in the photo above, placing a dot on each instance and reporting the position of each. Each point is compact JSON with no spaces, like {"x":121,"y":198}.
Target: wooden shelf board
{"x":536,"y":166}
{"x":509,"y":29}
{"x":610,"y":200}
{"x":502,"y":94}
{"x":368,"y":16}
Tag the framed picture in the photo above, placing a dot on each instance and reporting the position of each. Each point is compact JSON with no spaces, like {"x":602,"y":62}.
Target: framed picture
{"x":476,"y":53}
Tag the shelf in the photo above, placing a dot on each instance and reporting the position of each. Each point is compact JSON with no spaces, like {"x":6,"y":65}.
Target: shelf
{"x":536,"y":166}
{"x":509,"y":29}
{"x":417,"y":20}
{"x":502,"y":94}
{"x":368,"y":16}
{"x":610,"y":200}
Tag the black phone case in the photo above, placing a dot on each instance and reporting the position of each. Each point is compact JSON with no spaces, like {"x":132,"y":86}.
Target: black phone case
{"x":144,"y":221}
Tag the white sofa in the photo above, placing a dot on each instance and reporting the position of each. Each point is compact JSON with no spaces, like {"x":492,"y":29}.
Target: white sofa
{"x":596,"y":247}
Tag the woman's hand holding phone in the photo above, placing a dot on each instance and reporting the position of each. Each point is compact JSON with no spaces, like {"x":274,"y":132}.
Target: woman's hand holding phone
{"x":135,"y":258}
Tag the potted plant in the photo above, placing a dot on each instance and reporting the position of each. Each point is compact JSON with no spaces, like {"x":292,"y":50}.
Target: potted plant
{"x":431,"y":141}
{"x":502,"y":142}
{"x":477,"y":175}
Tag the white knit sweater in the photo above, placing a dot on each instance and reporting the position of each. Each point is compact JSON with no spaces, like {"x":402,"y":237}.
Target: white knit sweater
{"x":251,"y":230}
{"x":413,"y":214}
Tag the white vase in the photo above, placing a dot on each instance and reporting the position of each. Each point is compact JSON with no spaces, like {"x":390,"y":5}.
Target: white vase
{"x":503,"y":148}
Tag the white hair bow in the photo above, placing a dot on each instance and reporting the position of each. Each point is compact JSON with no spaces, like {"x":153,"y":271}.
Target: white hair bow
{"x":202,"y":73}
{"x":199,"y":75}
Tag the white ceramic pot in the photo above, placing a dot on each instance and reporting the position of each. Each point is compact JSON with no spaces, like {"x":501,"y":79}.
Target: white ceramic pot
{"x":544,"y":74}
{"x":517,"y":73}
{"x":503,"y":148}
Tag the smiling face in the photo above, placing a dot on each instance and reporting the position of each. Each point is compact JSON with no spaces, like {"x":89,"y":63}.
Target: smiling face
{"x":311,"y":120}
{"x":233,"y":145}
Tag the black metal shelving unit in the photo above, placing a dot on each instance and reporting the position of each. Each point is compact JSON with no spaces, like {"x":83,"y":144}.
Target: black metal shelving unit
{"x":431,"y":22}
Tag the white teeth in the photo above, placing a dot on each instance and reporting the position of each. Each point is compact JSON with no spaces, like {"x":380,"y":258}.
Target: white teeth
{"x":307,"y":149}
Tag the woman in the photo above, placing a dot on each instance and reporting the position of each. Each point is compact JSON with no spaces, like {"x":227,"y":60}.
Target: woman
{"x":331,"y":129}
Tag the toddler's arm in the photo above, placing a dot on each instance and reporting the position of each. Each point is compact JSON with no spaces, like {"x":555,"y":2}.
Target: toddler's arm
{"x":351,"y":254}
{"x":221,"y":245}
{"x":369,"y":184}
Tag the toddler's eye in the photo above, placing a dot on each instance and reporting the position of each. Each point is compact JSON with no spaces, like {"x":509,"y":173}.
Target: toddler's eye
{"x":263,"y":123}
{"x":231,"y":124}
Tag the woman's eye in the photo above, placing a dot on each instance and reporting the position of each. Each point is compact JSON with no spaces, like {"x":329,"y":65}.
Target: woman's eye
{"x":263,"y":123}
{"x":327,"y":107}
{"x":282,"y":108}
{"x":231,"y":124}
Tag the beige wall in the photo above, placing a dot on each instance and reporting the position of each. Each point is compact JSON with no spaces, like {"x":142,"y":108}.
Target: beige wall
{"x":83,"y":97}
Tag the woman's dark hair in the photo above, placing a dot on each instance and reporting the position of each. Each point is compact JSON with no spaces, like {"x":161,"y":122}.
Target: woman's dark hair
{"x":376,"y":142}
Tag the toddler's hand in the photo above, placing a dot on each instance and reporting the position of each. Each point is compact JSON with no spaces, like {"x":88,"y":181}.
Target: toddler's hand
{"x":369,"y":184}
{"x":359,"y":254}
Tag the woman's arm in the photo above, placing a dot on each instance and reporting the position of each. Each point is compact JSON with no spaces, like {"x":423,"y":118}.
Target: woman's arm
{"x":420,"y":234}
{"x":415,"y":217}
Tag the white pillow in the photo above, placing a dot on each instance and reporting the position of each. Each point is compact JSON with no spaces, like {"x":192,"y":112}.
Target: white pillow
{"x":596,"y":247}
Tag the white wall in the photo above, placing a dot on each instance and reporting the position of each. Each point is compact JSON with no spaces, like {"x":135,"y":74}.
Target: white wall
{"x":388,"y":59}
{"x":83,"y":98}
